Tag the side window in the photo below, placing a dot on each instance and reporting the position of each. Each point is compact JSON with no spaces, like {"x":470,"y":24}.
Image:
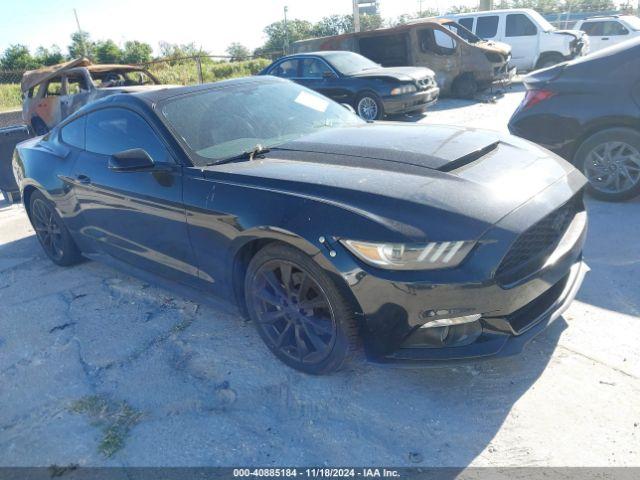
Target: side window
{"x":54,"y":87}
{"x":73,"y":132}
{"x":314,"y":68}
{"x":114,"y":130}
{"x":519,"y":25}
{"x":487,"y":27}
{"x":614,"y":28}
{"x":466,"y":23}
{"x":437,"y":41}
{"x":595,"y":29}
{"x":76,"y":85}
{"x":286,"y":69}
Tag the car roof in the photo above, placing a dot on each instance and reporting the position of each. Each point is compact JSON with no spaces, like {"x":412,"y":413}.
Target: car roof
{"x":156,"y":95}
{"x":322,"y":54}
{"x":488,"y":12}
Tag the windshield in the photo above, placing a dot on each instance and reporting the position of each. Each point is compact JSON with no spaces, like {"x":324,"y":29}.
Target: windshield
{"x":222,"y":123}
{"x":633,"y":22}
{"x":349,"y":63}
{"x":462,"y":32}
{"x":542,"y":22}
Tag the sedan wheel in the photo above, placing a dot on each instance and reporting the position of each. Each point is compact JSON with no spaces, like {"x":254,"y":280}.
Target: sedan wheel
{"x":51,"y":232}
{"x":611,"y":163}
{"x":369,"y":108}
{"x":298,"y":311}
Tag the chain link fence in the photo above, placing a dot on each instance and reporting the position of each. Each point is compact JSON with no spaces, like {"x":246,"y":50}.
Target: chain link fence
{"x":10,"y":95}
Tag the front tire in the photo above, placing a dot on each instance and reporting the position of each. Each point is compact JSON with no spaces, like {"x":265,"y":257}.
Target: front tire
{"x":610,"y":160}
{"x":465,"y":86}
{"x":369,"y":107}
{"x":299,"y":311}
{"x":51,"y":232}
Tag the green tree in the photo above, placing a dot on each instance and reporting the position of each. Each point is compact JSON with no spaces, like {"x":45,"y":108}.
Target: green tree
{"x":107,"y":51}
{"x":81,"y":45}
{"x":136,"y":52}
{"x":333,"y":25}
{"x":237,"y":52}
{"x":49,"y":56}
{"x":17,"y":57}
{"x":276,"y":34}
{"x":370,"y":22}
{"x":175,"y":50}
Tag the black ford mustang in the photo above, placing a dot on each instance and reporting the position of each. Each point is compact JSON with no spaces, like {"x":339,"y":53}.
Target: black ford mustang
{"x":427,"y":243}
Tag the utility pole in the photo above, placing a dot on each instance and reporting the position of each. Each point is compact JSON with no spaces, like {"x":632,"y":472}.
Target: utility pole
{"x":420,"y":8}
{"x":486,"y":4}
{"x":84,"y":47}
{"x":356,"y":16}
{"x":286,"y":31}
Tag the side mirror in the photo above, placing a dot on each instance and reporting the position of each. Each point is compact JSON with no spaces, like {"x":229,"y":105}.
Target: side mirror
{"x":132,"y":160}
{"x":328,"y":74}
{"x":348,"y":107}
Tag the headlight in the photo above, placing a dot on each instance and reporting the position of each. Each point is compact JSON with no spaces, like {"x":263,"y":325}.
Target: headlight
{"x":404,"y":90}
{"x":403,"y":256}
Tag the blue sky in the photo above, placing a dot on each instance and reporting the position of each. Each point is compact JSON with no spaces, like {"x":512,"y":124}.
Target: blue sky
{"x":212,"y":24}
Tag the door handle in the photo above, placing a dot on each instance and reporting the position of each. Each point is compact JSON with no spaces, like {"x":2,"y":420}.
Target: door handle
{"x":83,"y":179}
{"x":604,"y":38}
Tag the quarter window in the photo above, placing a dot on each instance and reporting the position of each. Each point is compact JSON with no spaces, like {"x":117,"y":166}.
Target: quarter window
{"x":487,"y":27}
{"x":114,"y":130}
{"x":73,"y":132}
{"x":519,"y":25}
{"x":286,"y":69}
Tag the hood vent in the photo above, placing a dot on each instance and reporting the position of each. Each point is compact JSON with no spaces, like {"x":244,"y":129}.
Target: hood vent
{"x":468,"y":158}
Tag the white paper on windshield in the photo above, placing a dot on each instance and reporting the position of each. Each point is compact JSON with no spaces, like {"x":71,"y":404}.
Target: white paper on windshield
{"x":312,"y":101}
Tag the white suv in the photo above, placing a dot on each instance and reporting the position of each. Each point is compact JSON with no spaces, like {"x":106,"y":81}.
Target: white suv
{"x":535,"y":43}
{"x":605,"y":31}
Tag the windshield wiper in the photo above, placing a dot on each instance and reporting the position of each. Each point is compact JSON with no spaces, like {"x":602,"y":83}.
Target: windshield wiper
{"x":257,"y":151}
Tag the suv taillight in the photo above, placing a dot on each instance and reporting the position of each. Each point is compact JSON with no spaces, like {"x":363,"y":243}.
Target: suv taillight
{"x":536,"y":96}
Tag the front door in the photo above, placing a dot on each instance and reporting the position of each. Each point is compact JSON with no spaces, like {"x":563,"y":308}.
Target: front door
{"x":522,"y":34}
{"x":319,"y":76}
{"x":135,"y":216}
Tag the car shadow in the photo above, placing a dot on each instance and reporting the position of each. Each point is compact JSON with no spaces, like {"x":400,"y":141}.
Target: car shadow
{"x":364,"y":415}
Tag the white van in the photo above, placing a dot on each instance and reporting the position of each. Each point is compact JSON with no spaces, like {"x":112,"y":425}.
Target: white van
{"x":606,"y":31}
{"x":535,"y":43}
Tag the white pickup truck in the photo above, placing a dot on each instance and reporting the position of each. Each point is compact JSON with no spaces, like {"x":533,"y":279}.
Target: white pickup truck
{"x":606,"y":31}
{"x":535,"y":43}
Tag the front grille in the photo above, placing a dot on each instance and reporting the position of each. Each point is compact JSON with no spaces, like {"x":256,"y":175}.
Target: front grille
{"x":424,"y":83}
{"x":530,"y":250}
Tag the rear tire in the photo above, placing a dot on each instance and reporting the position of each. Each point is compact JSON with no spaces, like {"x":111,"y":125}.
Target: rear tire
{"x":465,"y":86}
{"x":300,"y":313}
{"x":610,"y":159}
{"x":51,"y":232}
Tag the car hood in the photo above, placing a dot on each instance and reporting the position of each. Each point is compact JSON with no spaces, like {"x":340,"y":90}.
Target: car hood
{"x":574,"y":33}
{"x":498,"y":47}
{"x":403,"y":74}
{"x":385,"y":171}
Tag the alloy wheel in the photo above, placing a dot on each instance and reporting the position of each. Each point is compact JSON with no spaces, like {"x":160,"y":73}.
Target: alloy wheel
{"x":613,"y":167}
{"x":47,"y":229}
{"x":293,"y":311}
{"x":368,"y":108}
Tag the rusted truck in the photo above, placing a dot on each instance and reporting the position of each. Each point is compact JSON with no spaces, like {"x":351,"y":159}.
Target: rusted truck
{"x":464,"y":64}
{"x":51,"y":94}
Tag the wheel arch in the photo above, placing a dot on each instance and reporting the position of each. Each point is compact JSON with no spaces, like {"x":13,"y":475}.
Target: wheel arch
{"x":246,"y":247}
{"x":595,"y":128}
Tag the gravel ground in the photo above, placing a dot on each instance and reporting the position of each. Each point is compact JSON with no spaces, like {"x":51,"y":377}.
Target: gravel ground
{"x":98,"y":368}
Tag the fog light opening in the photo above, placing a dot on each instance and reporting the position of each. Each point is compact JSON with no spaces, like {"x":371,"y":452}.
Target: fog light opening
{"x":449,"y":322}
